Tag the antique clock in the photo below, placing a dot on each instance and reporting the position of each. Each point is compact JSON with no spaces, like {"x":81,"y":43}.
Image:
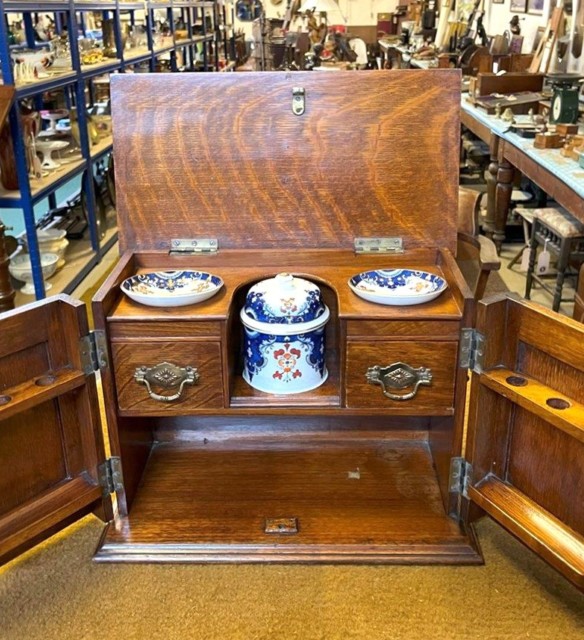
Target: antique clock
{"x":566,"y":87}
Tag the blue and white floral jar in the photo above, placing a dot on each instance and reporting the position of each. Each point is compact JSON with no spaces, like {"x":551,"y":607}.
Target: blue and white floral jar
{"x":284,"y":321}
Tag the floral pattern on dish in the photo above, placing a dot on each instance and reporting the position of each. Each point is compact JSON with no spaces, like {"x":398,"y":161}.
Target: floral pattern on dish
{"x":398,"y":286}
{"x":171,"y":288}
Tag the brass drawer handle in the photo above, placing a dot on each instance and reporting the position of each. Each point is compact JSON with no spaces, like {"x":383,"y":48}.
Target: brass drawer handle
{"x":399,"y":376}
{"x":167,"y":376}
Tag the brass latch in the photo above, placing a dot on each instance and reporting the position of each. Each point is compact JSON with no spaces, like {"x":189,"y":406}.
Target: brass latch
{"x":281,"y":525}
{"x":298,"y":101}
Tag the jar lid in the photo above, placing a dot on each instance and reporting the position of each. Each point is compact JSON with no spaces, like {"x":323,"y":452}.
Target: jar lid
{"x":284,"y":299}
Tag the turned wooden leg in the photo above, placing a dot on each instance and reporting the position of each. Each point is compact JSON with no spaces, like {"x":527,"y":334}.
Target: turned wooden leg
{"x":561,"y":266}
{"x":531,"y":267}
{"x":503,"y":192}
{"x":491,"y":180}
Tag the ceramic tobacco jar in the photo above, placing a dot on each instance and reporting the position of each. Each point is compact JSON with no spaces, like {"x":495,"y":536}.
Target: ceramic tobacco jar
{"x":284,"y":321}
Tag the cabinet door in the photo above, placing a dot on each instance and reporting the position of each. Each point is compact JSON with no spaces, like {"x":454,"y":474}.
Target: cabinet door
{"x":526,"y":430}
{"x":50,"y":437}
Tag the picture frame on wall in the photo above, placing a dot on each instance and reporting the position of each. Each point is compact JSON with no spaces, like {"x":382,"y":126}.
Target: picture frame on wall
{"x":518,"y":6}
{"x":535,"y":7}
{"x":498,"y":1}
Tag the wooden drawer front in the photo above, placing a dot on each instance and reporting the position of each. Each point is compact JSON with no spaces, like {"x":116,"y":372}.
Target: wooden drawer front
{"x":134,"y":398}
{"x":439,"y":357}
{"x":390,"y":329}
{"x":164,"y":330}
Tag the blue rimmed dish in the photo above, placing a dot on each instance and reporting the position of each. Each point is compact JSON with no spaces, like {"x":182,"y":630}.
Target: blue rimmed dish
{"x":171,"y":288}
{"x":399,"y":287}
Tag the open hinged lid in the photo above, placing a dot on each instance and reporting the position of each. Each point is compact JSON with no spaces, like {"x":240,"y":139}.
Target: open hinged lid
{"x":283,"y":160}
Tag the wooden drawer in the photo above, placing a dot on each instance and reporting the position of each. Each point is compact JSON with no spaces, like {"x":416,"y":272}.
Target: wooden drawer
{"x":134,"y":397}
{"x":164,"y":330}
{"x":436,"y":398}
{"x":391,"y":329}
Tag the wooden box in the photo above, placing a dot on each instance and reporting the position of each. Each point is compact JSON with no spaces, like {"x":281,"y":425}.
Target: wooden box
{"x":285,"y":172}
{"x":512,"y":82}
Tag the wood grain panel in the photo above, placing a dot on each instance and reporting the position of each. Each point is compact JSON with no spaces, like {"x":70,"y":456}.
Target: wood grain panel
{"x":535,"y":468}
{"x":541,"y":328}
{"x":439,"y":357}
{"x":163,"y":330}
{"x":26,"y":469}
{"x":24,"y":364}
{"x":223,"y":155}
{"x":14,"y":339}
{"x":552,"y":372}
{"x":133,"y":398}
{"x":401,"y":330}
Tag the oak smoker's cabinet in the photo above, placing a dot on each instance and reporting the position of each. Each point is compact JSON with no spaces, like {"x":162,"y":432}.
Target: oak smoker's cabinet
{"x":302,"y":173}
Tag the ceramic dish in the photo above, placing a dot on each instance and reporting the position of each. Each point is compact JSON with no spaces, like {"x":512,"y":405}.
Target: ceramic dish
{"x":171,"y":288}
{"x":21,"y":269}
{"x":397,"y":287}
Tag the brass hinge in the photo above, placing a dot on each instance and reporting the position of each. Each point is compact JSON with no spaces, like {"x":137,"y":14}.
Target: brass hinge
{"x":189,"y":246}
{"x":472,"y":350}
{"x":460,"y":473}
{"x":379,"y":245}
{"x":93,"y":349}
{"x":110,"y":476}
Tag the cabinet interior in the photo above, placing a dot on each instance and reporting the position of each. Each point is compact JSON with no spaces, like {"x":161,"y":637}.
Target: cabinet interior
{"x":355,"y":478}
{"x":358,"y":490}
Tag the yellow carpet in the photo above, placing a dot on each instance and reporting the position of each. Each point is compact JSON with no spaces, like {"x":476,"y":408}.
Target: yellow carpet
{"x":56,"y":592}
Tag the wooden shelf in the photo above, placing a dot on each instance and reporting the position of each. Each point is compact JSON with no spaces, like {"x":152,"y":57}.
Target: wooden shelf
{"x":137,"y":54}
{"x":54,"y":80}
{"x":108,"y":64}
{"x":354,"y":500}
{"x":102,"y":147}
{"x":42,"y":186}
{"x":80,"y":259}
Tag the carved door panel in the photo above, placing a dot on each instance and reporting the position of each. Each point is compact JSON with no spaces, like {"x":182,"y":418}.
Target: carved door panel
{"x":525,"y":442}
{"x":50,"y":438}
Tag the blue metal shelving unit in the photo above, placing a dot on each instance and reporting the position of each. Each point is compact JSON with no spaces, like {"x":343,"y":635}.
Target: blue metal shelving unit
{"x":69,"y":14}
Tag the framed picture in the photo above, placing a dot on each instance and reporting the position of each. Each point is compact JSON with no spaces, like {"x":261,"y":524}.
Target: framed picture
{"x":519,"y":6}
{"x":498,"y":1}
{"x":535,"y":7}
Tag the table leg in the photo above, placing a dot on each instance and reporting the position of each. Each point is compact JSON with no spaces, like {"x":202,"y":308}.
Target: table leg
{"x":491,"y":180}
{"x":503,"y":191}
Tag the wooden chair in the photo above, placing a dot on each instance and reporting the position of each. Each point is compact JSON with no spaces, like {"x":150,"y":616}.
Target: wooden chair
{"x":476,"y":254}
